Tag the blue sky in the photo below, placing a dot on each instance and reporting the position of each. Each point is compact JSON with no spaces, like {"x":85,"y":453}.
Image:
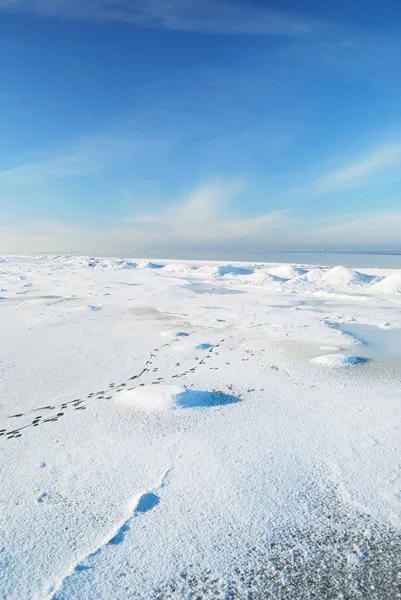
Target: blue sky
{"x":151,"y":126}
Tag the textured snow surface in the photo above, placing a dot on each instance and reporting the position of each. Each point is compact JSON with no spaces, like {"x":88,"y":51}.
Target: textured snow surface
{"x":390,"y":284}
{"x":174,"y":430}
{"x":337,"y":360}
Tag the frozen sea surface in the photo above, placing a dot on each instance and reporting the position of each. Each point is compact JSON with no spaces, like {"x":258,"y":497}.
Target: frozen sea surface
{"x":161,"y":443}
{"x":377,"y":343}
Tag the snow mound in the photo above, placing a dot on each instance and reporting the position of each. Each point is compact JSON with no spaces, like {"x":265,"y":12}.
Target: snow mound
{"x":389,"y":285}
{"x":335,"y":277}
{"x":162,"y":398}
{"x":314,"y":276}
{"x":287,"y":271}
{"x":343,"y":276}
{"x":232,"y":270}
{"x":338,"y":360}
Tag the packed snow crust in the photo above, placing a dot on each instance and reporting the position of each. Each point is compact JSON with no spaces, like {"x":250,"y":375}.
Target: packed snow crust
{"x":174,"y":430}
{"x":337,"y":360}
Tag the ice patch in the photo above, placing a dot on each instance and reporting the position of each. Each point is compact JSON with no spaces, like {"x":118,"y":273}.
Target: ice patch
{"x":94,"y":307}
{"x":232,"y":270}
{"x":338,"y":360}
{"x":126,"y":264}
{"x":181,"y":334}
{"x":164,"y":398}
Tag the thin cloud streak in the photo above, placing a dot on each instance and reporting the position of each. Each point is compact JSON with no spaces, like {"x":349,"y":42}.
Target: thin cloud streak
{"x":205,"y":216}
{"x":202,"y":16}
{"x":212,"y":225}
{"x":359,"y":172}
{"x":88,"y":155}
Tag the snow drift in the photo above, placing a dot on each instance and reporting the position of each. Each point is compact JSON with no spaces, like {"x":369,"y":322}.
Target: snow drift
{"x":162,"y":398}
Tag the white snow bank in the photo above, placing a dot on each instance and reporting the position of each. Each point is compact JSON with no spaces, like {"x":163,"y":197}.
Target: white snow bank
{"x":162,"y":398}
{"x":336,"y":277}
{"x":343,"y":276}
{"x":390,"y":284}
{"x":286,"y":271}
{"x":337,"y":360}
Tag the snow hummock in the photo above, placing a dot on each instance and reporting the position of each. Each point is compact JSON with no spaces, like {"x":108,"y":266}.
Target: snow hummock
{"x":343,"y":276}
{"x":389,"y":285}
{"x":336,"y":277}
{"x":161,"y":398}
{"x":287,"y":271}
{"x":338,"y":360}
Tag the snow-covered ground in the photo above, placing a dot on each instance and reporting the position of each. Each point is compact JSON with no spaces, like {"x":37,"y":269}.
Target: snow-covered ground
{"x":198,"y":430}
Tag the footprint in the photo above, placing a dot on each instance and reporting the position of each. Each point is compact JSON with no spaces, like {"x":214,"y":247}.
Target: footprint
{"x":147,"y":502}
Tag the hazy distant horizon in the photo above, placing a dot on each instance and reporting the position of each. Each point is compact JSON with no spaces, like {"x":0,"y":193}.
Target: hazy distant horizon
{"x":382,"y":259}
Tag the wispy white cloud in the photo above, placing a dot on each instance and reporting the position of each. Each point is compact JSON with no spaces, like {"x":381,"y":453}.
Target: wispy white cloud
{"x":205,"y":16}
{"x":203,"y":221}
{"x":87,"y":155}
{"x":359,"y":173}
{"x":204,"y":217}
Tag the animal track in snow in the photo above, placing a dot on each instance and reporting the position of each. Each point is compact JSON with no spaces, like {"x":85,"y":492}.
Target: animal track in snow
{"x":211,"y":349}
{"x":78,"y":404}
